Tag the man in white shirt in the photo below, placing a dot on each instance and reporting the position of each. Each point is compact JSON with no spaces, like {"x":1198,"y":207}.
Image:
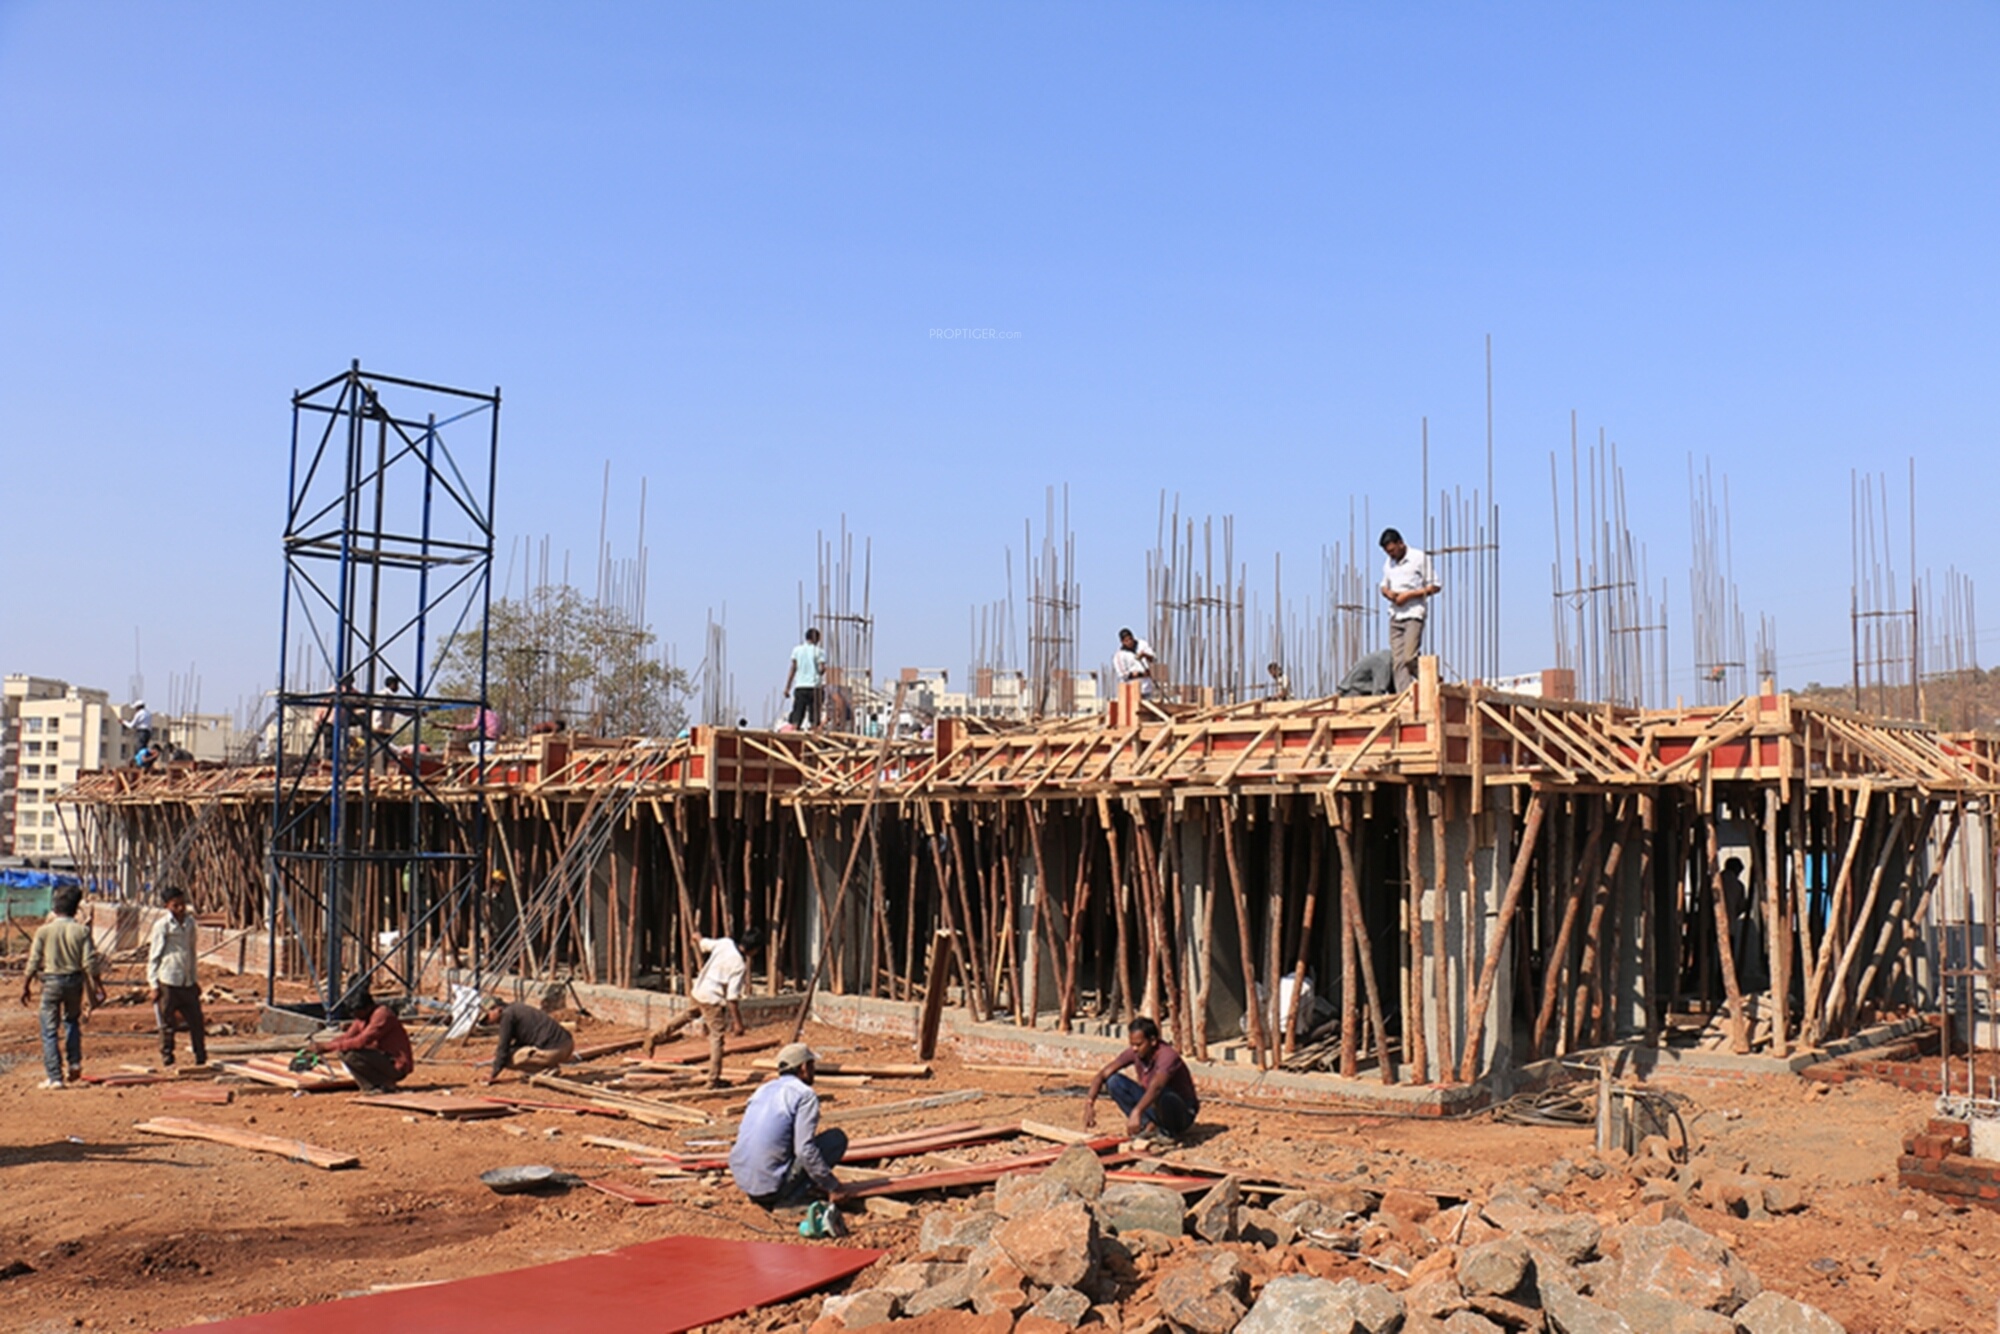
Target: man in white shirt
{"x":1134,"y":662}
{"x":717,"y":991}
{"x":170,"y":975}
{"x":141,"y":725}
{"x":1407,"y":584}
{"x":804,"y":678}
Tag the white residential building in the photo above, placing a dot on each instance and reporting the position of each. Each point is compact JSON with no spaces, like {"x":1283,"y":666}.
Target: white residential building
{"x":50,"y":731}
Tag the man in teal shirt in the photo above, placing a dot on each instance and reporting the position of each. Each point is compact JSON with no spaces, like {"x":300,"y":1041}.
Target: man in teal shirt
{"x":804,"y":679}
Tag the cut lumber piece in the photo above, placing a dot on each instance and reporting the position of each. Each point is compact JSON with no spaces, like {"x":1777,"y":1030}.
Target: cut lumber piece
{"x":937,"y":982}
{"x":196,"y":1071}
{"x":695,"y":1050}
{"x":1054,"y":1134}
{"x":611,"y":1048}
{"x":448,"y":1106}
{"x":1185,"y":1185}
{"x":888,"y":1070}
{"x":983,"y":1173}
{"x":566,"y":1108}
{"x":630,"y":1194}
{"x":623,"y":1145}
{"x":209,"y":1097}
{"x":681,"y":1162}
{"x":910,"y":1146}
{"x":295,"y":1149}
{"x":327,"y":1079}
{"x":907,"y":1105}
{"x":648,"y":1111}
{"x":126,"y":1080}
{"x":1055,"y":1071}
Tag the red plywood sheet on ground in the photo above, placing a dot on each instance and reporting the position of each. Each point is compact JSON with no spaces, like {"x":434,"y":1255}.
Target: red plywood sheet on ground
{"x":658,"y":1287}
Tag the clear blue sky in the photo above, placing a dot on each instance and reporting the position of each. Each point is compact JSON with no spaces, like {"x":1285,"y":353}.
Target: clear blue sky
{"x":1246,"y":249}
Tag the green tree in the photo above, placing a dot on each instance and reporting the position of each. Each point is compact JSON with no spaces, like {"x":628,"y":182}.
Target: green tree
{"x":557,"y":655}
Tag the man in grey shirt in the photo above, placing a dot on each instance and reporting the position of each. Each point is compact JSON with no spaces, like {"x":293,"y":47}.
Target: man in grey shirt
{"x":1371,"y":674}
{"x":781,"y":1155}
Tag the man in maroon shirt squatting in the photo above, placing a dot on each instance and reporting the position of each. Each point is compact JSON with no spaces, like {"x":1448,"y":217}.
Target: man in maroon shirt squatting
{"x":375,"y":1047}
{"x":1163,"y":1096}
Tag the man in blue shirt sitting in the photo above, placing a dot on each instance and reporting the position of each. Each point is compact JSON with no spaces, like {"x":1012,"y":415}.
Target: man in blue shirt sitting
{"x":781,"y":1155}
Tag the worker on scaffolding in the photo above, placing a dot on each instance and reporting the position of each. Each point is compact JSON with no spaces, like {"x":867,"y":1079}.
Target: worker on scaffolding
{"x":781,"y":1156}
{"x":1281,"y":684}
{"x":530,"y":1039}
{"x":1407,"y":584}
{"x":804,"y":678}
{"x":1134,"y":662}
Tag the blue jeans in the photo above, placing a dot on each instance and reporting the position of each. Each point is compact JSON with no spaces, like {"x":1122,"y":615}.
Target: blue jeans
{"x":62,"y":1005}
{"x":1169,"y":1113}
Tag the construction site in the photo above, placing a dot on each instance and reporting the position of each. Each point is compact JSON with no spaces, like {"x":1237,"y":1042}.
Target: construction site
{"x":1531,"y":1002}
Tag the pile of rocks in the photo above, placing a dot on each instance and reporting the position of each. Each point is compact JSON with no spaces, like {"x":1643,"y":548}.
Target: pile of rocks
{"x":1049,"y":1253}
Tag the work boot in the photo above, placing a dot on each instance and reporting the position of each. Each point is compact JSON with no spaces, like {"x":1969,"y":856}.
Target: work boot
{"x":75,"y":1074}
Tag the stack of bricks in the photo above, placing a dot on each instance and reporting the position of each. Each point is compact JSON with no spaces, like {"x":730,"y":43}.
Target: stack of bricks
{"x":1939,"y":1161}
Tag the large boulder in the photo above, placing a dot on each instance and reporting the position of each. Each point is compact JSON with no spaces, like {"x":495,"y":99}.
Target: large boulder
{"x":1496,"y":1268}
{"x":1055,"y":1247}
{"x":1768,"y":1313}
{"x":1080,"y":1170}
{"x":1020,"y":1193}
{"x":1680,"y":1262}
{"x":1128,"y":1206}
{"x":1293,"y":1303}
{"x":1569,"y":1313}
{"x":950,"y":1286}
{"x":1203,"y":1294}
{"x":1217,"y":1214}
{"x":948,"y":1236}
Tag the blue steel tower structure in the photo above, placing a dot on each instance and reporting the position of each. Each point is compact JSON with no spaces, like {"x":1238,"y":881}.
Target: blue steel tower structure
{"x":373,"y":874}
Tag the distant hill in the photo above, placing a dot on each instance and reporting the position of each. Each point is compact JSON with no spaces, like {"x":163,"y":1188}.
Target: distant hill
{"x":1960,"y":702}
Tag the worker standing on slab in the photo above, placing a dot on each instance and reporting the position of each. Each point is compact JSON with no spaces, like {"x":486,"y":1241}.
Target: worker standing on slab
{"x":170,"y":976}
{"x":1134,"y":662}
{"x":375,"y":1047}
{"x":804,"y":678}
{"x":717,"y":990}
{"x":531,"y":1039}
{"x":781,"y":1155}
{"x":1407,"y":584}
{"x":64,"y":956}
{"x":141,"y":725}
{"x":1165,"y":1100}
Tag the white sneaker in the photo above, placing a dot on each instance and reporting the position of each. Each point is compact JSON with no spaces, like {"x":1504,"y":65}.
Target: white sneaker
{"x":53,"y":1084}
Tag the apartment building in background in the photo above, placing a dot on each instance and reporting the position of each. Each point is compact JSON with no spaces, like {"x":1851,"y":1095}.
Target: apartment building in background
{"x":50,"y":731}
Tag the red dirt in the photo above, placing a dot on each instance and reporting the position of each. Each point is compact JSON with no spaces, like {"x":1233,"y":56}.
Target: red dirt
{"x":129,"y":1231}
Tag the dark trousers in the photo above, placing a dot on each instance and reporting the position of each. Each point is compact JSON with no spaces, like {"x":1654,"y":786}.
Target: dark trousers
{"x":805,"y":706}
{"x":62,"y":1023}
{"x":182,"y":1004}
{"x":1168,"y":1114}
{"x":797,"y":1187}
{"x":372,"y":1070}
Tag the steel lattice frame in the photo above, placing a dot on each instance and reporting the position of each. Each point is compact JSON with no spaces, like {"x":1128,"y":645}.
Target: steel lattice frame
{"x":388,"y":564}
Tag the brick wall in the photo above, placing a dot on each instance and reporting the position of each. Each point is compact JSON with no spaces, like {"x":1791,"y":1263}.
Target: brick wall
{"x":1938,"y":1160}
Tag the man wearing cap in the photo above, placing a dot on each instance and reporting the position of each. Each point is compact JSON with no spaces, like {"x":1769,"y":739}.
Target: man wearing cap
{"x":781,"y":1155}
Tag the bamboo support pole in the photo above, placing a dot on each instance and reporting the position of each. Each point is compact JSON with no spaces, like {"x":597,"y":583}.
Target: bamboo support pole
{"x":1524,"y":854}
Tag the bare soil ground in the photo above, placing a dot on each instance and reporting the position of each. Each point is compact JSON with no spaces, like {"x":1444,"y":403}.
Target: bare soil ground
{"x":129,"y":1231}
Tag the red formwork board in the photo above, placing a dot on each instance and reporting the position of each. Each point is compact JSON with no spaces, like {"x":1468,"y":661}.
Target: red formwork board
{"x":657,"y":1287}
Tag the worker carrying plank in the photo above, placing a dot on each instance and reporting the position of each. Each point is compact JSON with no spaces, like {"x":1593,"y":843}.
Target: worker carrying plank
{"x":530,"y":1040}
{"x":717,"y":989}
{"x":1165,"y":1100}
{"x":781,"y":1156}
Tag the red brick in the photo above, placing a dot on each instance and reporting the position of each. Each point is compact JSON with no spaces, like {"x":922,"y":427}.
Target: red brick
{"x":1940,"y":1125}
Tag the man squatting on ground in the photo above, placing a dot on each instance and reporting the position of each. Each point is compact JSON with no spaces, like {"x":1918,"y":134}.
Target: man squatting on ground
{"x":717,"y":987}
{"x":1166,"y":1100}
{"x":781,"y":1155}
{"x":64,"y":956}
{"x":170,"y":975}
{"x":804,"y":678}
{"x":1407,"y":583}
{"x":375,"y":1047}
{"x":531,"y":1040}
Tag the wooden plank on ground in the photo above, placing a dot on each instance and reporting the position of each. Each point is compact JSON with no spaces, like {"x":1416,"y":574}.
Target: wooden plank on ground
{"x":646,"y":1110}
{"x":295,"y":1149}
{"x":446,"y":1105}
{"x":907,"y":1105}
{"x":984,"y":1173}
{"x":630,"y":1194}
{"x":266,"y":1071}
{"x":208,"y":1097}
{"x":566,"y":1108}
{"x":1054,"y":1134}
{"x":611,"y":1048}
{"x":837,"y":1069}
{"x":1040,"y":1071}
{"x":694,"y":1050}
